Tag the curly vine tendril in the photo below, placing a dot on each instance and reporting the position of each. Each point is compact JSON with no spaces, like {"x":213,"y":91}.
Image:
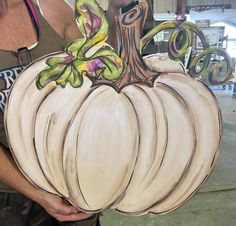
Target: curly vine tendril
{"x":214,"y":73}
{"x":90,"y":56}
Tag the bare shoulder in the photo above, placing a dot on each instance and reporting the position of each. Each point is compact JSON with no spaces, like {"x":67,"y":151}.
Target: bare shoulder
{"x":61,"y":17}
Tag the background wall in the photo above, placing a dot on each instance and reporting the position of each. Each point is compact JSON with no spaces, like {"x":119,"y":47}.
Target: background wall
{"x":103,"y":3}
{"x":163,"y":6}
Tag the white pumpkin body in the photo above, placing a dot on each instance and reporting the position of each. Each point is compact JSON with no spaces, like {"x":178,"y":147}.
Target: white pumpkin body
{"x":138,"y":151}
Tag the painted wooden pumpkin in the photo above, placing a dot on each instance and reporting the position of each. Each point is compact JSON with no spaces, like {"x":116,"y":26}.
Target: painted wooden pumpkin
{"x":140,"y":143}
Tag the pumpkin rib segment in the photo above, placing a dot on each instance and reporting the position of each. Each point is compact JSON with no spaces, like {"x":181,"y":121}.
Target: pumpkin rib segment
{"x":132,"y":104}
{"x":167,"y":125}
{"x":139,"y":129}
{"x":93,"y":111}
{"x":220,"y":118}
{"x":119,"y":197}
{"x":137,"y":116}
{"x":76,"y":156}
{"x":16,"y":159}
{"x":197,"y":98}
{"x":184,"y":201}
{"x":217,"y":146}
{"x":149,"y":194}
{"x":189,"y":196}
{"x":151,"y":102}
{"x":120,"y":187}
{"x":187,"y":110}
{"x":193,"y":148}
{"x":77,"y":178}
{"x":65,"y":163}
{"x":35,"y":149}
{"x":148,"y":93}
{"x":138,"y":143}
{"x":13,"y":110}
{"x":161,"y":63}
{"x":46,"y":152}
{"x":63,"y":145}
{"x":53,"y":116}
{"x":43,"y":162}
{"x":115,"y":204}
{"x":188,"y":162}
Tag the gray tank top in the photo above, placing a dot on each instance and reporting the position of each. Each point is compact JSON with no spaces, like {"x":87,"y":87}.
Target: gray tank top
{"x":11,"y":63}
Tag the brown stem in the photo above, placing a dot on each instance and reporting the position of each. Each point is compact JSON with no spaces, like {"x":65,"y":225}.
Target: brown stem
{"x":130,"y":25}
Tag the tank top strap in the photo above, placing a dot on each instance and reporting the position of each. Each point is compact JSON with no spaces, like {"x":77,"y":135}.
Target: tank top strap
{"x":48,"y":39}
{"x":32,"y":12}
{"x":46,"y":35}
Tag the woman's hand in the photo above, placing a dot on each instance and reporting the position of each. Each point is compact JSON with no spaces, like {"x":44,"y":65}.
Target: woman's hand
{"x":59,"y":208}
{"x":53,"y":204}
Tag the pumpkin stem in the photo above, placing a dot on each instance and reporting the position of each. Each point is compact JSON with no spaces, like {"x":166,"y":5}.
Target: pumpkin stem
{"x":130,"y":25}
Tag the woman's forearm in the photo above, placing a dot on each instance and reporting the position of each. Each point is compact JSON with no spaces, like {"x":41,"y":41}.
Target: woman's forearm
{"x":10,"y":175}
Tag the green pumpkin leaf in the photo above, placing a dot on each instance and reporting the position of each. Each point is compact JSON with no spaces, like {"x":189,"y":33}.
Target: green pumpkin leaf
{"x":93,"y":24}
{"x":49,"y":75}
{"x":53,"y":61}
{"x":75,"y":79}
